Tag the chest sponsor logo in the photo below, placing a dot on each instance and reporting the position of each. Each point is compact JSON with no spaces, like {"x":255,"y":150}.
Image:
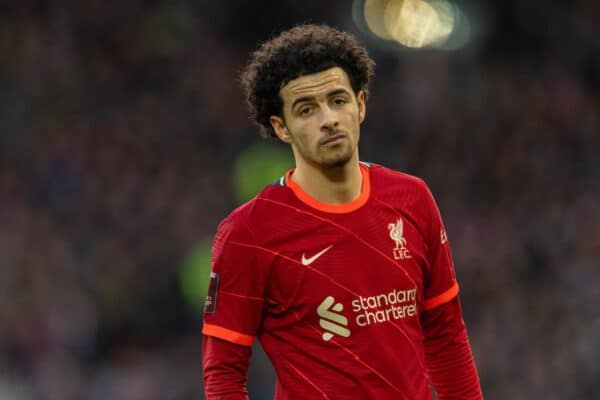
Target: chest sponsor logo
{"x":372,"y":310}
{"x":397,"y":235}
{"x":331,"y":320}
{"x":397,"y":304}
{"x":310,"y":260}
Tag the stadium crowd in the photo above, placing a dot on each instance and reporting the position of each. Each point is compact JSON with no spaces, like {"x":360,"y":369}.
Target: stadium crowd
{"x":119,"y":126}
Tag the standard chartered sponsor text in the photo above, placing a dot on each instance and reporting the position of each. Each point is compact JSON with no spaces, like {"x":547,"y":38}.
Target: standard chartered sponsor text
{"x":394,"y":305}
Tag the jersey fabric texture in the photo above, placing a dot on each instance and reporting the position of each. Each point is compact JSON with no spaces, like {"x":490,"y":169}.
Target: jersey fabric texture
{"x":333,"y":293}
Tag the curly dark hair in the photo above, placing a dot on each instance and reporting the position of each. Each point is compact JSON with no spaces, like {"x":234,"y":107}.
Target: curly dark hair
{"x":302,"y":50}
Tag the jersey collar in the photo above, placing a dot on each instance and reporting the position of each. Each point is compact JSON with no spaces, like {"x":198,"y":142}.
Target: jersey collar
{"x":333,"y":208}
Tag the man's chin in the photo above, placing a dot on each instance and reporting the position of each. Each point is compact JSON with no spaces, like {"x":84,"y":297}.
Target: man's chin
{"x":336,"y":162}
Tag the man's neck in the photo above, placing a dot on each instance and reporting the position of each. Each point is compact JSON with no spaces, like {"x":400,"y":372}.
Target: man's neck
{"x":333,"y":185}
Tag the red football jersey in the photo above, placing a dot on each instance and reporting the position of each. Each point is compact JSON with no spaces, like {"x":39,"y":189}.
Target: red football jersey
{"x":334,"y":293}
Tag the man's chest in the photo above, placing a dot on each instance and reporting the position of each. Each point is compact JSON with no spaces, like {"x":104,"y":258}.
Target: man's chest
{"x":349,"y":271}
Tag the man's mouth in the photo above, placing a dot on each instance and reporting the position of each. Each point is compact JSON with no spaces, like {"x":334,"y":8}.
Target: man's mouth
{"x":334,"y":139}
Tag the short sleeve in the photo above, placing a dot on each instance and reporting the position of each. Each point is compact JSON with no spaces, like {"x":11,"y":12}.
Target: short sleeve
{"x":234,"y":304}
{"x":440,"y":282}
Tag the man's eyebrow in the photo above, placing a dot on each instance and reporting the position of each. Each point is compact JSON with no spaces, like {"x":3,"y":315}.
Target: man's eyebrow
{"x":301,"y":100}
{"x":307,"y":98}
{"x":337,"y":91}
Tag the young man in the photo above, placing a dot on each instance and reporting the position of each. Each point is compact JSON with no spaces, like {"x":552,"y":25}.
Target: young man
{"x":341,"y":269}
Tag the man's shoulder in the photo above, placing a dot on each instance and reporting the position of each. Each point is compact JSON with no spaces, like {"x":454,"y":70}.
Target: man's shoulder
{"x":388,"y":177}
{"x":258,"y":209}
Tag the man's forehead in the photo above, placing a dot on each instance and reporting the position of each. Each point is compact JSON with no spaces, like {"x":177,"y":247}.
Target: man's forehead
{"x":314,"y":83}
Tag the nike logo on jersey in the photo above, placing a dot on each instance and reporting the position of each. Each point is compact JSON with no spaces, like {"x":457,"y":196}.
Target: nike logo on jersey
{"x":310,"y":260}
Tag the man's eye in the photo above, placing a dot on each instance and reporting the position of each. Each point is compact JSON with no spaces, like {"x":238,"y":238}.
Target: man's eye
{"x":305,"y":110}
{"x":339,"y":101}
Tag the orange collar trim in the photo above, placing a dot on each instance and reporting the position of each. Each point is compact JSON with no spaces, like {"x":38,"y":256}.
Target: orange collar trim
{"x":333,"y":208}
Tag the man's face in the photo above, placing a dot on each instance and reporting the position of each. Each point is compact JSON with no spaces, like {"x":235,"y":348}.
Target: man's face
{"x":321,"y":118}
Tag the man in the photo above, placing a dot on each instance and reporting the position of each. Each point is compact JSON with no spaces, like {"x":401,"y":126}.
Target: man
{"x":341,"y":268}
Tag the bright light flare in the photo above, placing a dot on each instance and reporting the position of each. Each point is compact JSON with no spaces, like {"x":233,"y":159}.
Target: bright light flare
{"x":374,"y":12}
{"x":416,"y":23}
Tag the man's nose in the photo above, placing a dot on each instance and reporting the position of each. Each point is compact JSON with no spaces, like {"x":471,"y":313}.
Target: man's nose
{"x":329,"y":120}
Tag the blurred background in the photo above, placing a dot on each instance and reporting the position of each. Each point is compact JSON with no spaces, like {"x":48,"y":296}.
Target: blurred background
{"x":124,"y":141}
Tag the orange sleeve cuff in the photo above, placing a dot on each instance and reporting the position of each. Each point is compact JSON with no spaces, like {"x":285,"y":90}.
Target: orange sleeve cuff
{"x":227,"y":334}
{"x":441,"y":298}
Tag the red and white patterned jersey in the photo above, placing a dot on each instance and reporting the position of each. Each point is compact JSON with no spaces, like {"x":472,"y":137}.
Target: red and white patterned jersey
{"x":334,"y":293}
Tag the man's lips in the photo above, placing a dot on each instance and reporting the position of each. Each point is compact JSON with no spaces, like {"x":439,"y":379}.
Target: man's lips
{"x":333,"y":138}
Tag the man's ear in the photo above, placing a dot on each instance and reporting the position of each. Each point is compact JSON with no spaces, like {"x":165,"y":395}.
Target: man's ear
{"x":280,"y":129}
{"x":362,"y":105}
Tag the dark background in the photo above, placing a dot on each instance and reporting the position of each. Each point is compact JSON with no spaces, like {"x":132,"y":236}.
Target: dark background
{"x":120,"y":124}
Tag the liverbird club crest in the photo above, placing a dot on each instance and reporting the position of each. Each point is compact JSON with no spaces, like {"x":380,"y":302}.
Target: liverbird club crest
{"x":397,"y":235}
